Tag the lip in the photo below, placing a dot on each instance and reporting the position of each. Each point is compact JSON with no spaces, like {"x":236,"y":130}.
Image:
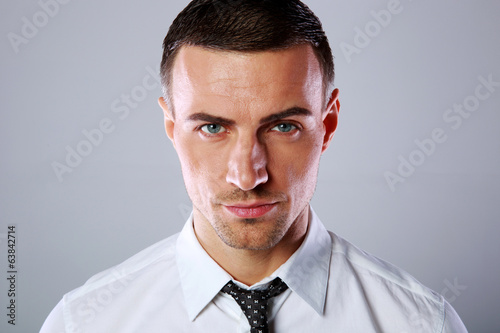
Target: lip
{"x":250,"y":211}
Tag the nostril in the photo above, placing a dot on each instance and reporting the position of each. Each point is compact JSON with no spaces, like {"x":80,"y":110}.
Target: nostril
{"x":246,"y":176}
{"x":248,"y":163}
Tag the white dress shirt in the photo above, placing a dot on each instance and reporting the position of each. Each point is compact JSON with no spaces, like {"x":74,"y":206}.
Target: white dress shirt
{"x":174,"y":286}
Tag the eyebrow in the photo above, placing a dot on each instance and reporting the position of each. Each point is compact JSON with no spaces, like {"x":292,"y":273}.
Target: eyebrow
{"x":205,"y":117}
{"x":295,"y":111}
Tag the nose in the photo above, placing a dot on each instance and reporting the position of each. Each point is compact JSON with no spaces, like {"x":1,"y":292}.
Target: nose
{"x":247,"y":166}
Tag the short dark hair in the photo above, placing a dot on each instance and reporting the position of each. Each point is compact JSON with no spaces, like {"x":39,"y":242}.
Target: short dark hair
{"x":245,"y":26}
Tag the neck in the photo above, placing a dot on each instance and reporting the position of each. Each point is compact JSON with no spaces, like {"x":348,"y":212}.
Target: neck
{"x":251,"y":266}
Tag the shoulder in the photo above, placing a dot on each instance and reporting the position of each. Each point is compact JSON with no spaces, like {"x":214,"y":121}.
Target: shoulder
{"x":105,"y":300}
{"x":140,"y":267}
{"x":366,"y":264}
{"x":383,"y":291}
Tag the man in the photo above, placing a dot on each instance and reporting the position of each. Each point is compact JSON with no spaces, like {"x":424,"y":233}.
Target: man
{"x":249,"y":109}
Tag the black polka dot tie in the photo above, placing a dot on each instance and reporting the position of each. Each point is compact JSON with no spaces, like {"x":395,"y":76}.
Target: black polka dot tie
{"x":254,"y":302}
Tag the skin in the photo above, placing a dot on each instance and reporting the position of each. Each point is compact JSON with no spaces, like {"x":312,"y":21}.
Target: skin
{"x":249,"y":130}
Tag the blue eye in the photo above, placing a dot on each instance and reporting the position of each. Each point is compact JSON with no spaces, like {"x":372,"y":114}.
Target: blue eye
{"x":213,"y":129}
{"x":284,"y":127}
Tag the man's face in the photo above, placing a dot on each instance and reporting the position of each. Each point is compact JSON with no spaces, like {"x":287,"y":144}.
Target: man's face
{"x":249,"y":129}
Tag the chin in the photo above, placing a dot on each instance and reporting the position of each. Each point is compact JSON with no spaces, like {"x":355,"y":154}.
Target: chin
{"x":250,"y":234}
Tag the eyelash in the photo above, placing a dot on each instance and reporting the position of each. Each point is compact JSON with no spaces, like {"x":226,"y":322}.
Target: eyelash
{"x":271,"y":127}
{"x":200,"y":128}
{"x":295,"y":127}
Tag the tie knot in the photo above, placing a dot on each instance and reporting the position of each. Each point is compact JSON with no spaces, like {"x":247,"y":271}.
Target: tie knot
{"x":254,"y":302}
{"x":276,"y":287}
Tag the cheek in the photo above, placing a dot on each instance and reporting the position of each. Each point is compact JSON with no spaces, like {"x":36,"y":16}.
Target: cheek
{"x":296,"y":166}
{"x":200,"y":165}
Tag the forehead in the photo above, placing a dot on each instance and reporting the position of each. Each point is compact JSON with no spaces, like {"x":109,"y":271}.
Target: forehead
{"x":246,"y":78}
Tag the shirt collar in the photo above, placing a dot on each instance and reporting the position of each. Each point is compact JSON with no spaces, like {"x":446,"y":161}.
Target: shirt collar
{"x":309,"y":268}
{"x":305,"y":272}
{"x":201,"y":277}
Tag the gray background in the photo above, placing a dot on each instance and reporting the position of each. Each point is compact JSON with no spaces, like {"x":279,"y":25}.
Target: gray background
{"x":440,"y":224}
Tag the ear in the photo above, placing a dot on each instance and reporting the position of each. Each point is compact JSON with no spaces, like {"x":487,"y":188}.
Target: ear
{"x":169,"y":121}
{"x":330,"y":118}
